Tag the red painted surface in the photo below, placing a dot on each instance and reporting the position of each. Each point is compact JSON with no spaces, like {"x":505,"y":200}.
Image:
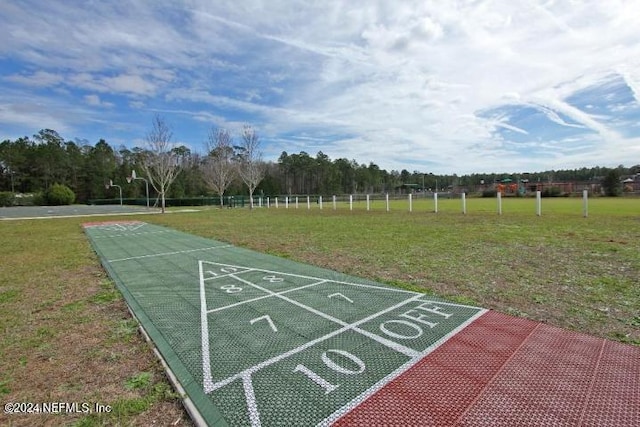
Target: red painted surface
{"x":507,"y":371}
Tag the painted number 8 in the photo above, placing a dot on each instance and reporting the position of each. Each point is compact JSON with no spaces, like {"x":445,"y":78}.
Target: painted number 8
{"x":231,"y":289}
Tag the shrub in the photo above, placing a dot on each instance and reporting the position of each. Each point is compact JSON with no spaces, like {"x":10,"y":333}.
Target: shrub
{"x":24,"y":199}
{"x":7,"y":198}
{"x":59,"y":194}
{"x":39,"y":199}
{"x":551,"y":192}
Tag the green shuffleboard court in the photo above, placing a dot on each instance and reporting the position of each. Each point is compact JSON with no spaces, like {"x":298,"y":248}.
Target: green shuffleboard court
{"x":258,"y":340}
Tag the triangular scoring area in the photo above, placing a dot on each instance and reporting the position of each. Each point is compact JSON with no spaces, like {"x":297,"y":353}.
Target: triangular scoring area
{"x":115,"y":226}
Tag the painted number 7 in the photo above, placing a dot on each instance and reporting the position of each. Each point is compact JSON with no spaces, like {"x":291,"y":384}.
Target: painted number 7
{"x":338,"y":294}
{"x":268,"y":319}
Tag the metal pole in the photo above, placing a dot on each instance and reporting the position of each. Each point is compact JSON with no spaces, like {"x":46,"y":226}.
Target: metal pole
{"x":585,"y":203}
{"x":464,"y":203}
{"x":147,"y":184}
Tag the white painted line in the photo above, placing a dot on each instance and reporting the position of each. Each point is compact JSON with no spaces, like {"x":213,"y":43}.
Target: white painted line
{"x":168,"y":253}
{"x":80,"y":215}
{"x":289,"y":300}
{"x":251,"y":370}
{"x":204,"y":324}
{"x":250,"y":396}
{"x":453,"y":304}
{"x":275,"y":359}
{"x":213,"y":310}
{"x":268,"y":319}
{"x":219,"y":276}
{"x":131,"y":234}
{"x":338,"y":294}
{"x":407,"y":351}
{"x":383,"y":288}
{"x":393,"y":375}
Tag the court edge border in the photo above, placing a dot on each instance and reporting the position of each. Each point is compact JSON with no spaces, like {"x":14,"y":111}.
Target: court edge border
{"x":192,"y":406}
{"x":188,"y":397}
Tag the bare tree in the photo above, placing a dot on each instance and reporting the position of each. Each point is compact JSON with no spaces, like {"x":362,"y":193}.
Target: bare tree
{"x":160,"y":161}
{"x":250,"y":166}
{"x":217,"y":168}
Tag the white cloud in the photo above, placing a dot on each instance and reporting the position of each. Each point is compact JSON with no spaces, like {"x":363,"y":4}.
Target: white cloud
{"x":95,"y":101}
{"x":129,"y":83}
{"x":399,"y":83}
{"x":37,"y":79}
{"x":31,"y":116}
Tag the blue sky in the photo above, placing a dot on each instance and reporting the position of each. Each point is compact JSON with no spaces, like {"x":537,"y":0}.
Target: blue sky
{"x":433,"y":86}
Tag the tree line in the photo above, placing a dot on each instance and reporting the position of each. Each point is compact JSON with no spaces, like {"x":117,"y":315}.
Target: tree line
{"x":230,"y":165}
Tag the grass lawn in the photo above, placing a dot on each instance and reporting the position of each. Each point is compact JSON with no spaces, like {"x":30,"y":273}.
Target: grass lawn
{"x":67,"y":335}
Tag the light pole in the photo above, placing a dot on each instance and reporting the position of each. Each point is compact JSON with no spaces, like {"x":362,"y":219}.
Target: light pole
{"x":13,"y":189}
{"x":111,"y":184}
{"x":431,"y":173}
{"x":133,"y":176}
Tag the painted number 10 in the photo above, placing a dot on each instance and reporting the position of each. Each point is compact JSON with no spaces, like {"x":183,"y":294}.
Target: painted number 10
{"x":335,"y":366}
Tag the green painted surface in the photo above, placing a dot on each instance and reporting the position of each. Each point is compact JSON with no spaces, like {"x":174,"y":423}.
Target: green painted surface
{"x":256,"y":339}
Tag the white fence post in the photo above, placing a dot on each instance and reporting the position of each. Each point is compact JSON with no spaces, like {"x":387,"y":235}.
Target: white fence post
{"x":410,"y":202}
{"x":268,"y":202}
{"x":464,"y":203}
{"x":435,"y":202}
{"x":368,"y":202}
{"x":334,"y":202}
{"x":538,"y":203}
{"x":499,"y":197}
{"x":320,"y":202}
{"x":308,"y":203}
{"x":276,"y":202}
{"x":286,"y":202}
{"x":350,"y":202}
{"x":387,"y":200}
{"x":585,"y":203}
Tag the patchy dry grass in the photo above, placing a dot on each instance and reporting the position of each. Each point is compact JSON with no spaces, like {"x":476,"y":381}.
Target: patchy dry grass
{"x":560,"y":268}
{"x":67,"y":336}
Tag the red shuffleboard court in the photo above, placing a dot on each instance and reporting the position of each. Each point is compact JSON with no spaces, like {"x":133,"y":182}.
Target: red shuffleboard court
{"x":507,"y":371}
